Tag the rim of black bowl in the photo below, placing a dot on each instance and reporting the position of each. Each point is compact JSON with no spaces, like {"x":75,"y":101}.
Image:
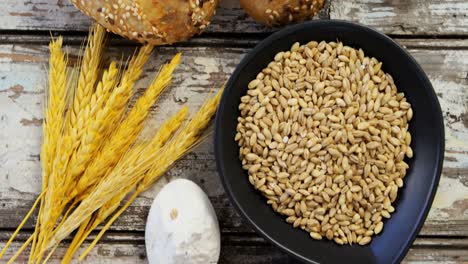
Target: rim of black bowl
{"x":264,"y":44}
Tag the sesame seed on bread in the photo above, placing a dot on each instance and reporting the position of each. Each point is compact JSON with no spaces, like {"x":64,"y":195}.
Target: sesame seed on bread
{"x":157,"y":22}
{"x":281,"y":12}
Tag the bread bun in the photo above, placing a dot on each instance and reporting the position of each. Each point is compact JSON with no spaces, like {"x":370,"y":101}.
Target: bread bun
{"x":157,"y":22}
{"x":281,"y":12}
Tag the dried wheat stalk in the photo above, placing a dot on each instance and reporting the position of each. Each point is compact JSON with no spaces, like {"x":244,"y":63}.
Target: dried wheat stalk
{"x":162,"y":135}
{"x":54,"y":112}
{"x":131,"y":169}
{"x":91,"y":146}
{"x":95,"y":131}
{"x":169,"y":153}
{"x":127,"y":132}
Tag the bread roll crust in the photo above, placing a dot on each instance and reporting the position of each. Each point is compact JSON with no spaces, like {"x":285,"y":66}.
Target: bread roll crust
{"x":281,"y":12}
{"x":157,"y":22}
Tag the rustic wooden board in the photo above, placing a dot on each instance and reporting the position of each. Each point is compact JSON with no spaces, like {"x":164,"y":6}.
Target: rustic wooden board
{"x":22,"y":73}
{"x":129,"y":248}
{"x":409,"y":17}
{"x":61,"y":15}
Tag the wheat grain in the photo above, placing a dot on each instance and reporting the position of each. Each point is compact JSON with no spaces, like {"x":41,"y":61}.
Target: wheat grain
{"x":322,"y":133}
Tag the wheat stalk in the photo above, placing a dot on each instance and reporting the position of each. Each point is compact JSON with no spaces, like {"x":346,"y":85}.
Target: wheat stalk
{"x":100,"y":127}
{"x":125,"y":173}
{"x":130,"y":170}
{"x":21,"y":225}
{"x":163,"y":134}
{"x":79,"y":238}
{"x":129,"y":129}
{"x":91,"y":140}
{"x":54,"y":113}
{"x":183,"y":141}
{"x":20,"y":250}
{"x":78,"y":117}
{"x":104,"y":229}
{"x":92,"y":222}
{"x":168,"y":154}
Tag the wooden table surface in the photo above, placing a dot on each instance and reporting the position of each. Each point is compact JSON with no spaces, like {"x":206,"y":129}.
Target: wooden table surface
{"x":435,"y":32}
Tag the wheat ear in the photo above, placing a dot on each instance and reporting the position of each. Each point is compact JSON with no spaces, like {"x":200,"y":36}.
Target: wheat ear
{"x":162,"y":135}
{"x":78,"y":116}
{"x":168,"y":154}
{"x":127,"y":132}
{"x":126,"y":170}
{"x":97,"y":128}
{"x":55,"y":106}
{"x":104,"y":89}
{"x":88,"y":74}
{"x":182,"y":142}
{"x":101,"y":126}
{"x":54,"y":111}
{"x":98,"y":102}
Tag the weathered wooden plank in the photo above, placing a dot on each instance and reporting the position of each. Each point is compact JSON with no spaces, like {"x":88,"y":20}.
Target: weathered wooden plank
{"x":129,"y":248}
{"x":61,"y":15}
{"x":410,"y":17}
{"x":21,"y":93}
{"x":421,"y":17}
{"x":227,"y":41}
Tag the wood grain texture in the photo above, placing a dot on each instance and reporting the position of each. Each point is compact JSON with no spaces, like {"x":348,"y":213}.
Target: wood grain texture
{"x":21,"y":99}
{"x":409,"y":17}
{"x":245,"y":248}
{"x":22,"y":73}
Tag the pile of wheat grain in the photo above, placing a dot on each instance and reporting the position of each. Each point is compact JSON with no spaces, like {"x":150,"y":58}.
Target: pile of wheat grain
{"x":93,"y":153}
{"x":323,"y":133}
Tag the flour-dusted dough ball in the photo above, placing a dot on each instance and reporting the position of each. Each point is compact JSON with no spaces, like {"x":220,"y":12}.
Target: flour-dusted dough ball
{"x":182,"y":227}
{"x":151,"y":21}
{"x":281,"y":12}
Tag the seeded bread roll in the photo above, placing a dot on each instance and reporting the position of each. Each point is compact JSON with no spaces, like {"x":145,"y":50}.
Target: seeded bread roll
{"x":281,"y":12}
{"x":157,"y":22}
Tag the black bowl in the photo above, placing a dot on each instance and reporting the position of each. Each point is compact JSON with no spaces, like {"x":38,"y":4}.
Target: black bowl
{"x":427,"y":129}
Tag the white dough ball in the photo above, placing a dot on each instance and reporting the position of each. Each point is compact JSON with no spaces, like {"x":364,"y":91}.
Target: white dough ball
{"x":182,"y":227}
